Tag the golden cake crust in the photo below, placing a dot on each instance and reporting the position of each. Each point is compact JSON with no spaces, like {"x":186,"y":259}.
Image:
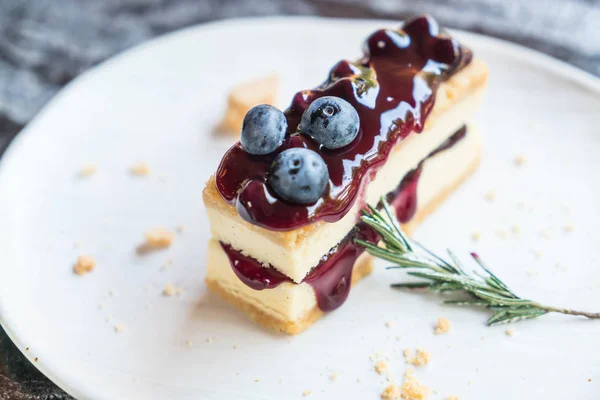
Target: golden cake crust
{"x":459,"y":86}
{"x":362,"y":267}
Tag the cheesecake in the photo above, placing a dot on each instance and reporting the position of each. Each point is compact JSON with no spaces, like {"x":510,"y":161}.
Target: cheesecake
{"x":284,"y":205}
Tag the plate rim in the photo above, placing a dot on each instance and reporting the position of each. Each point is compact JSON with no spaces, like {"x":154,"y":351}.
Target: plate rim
{"x":502,"y":47}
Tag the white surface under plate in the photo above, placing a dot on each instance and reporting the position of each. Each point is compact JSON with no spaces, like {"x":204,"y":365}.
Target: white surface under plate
{"x":159,"y":103}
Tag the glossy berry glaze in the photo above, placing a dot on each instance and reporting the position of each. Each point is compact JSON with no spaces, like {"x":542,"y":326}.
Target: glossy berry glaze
{"x":393,"y":90}
{"x":332,"y":277}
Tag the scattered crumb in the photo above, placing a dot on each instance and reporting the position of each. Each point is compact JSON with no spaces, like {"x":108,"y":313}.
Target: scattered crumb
{"x":388,"y":324}
{"x":189,"y":343}
{"x":84,"y":265}
{"x":422,"y":357}
{"x":392,"y":392}
{"x":159,"y":238}
{"x":87,"y":171}
{"x":333,"y":376}
{"x":490,"y":196}
{"x":475,"y":236}
{"x":452,"y":398}
{"x":179,"y":228}
{"x":515,"y":229}
{"x":140,"y":169}
{"x":306,"y":393}
{"x":234,"y":346}
{"x":589,"y":379}
{"x":483,"y":338}
{"x":443,"y":326}
{"x":119,"y":328}
{"x":178,"y":291}
{"x":510,"y":332}
{"x":26,"y":348}
{"x":256,"y":380}
{"x":412,"y":389}
{"x":569,"y":228}
{"x":520,"y":160}
{"x":169,"y":290}
{"x":246,"y":95}
{"x":381,"y":367}
{"x":209,"y":340}
{"x":501,"y":233}
{"x":36,"y":359}
{"x":156,"y":239}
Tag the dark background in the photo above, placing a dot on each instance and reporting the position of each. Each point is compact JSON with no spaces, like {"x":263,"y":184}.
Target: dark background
{"x":46,"y":43}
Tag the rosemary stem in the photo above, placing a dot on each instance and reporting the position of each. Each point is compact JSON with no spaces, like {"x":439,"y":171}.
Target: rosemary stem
{"x":589,"y":315}
{"x":449,"y":275}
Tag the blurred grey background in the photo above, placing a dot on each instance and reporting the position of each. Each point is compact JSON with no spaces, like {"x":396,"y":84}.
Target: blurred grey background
{"x":46,"y":43}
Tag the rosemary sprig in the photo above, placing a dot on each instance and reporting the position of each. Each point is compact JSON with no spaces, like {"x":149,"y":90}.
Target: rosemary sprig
{"x":485,"y":288}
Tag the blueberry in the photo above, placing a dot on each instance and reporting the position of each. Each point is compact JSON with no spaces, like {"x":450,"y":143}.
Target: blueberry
{"x":331,"y":121}
{"x":263,"y":129}
{"x":299,"y":175}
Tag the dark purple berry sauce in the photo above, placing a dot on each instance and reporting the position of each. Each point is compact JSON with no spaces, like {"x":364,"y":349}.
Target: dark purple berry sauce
{"x":392,"y":87}
{"x":332,"y":277}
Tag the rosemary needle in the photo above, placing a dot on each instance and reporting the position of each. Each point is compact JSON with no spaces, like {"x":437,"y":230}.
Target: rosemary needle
{"x":439,"y":275}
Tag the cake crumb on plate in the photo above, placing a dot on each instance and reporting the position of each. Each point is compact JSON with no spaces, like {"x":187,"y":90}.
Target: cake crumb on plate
{"x":421,"y":357}
{"x":381,"y":367}
{"x":87,"y":170}
{"x":141,"y":169}
{"x":510,"y":332}
{"x":119,"y":328}
{"x":520,"y":160}
{"x":84,"y":265}
{"x":157,"y":238}
{"x":306,"y":393}
{"x":391,"y":392}
{"x":246,"y":95}
{"x":169,"y":290}
{"x":443,"y":326}
{"x":412,"y":389}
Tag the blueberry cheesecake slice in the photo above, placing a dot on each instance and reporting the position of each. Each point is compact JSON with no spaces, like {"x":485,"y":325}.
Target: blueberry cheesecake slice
{"x":285,"y":201}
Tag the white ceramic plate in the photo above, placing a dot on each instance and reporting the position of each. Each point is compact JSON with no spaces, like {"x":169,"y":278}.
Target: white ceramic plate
{"x":158,"y":104}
